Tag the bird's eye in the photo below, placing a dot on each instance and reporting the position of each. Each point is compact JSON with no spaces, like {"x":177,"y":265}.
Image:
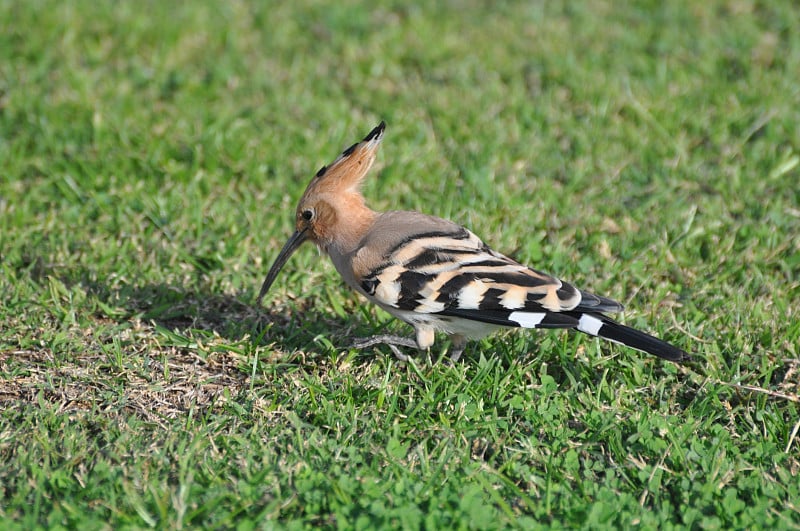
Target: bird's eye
{"x":308,"y":214}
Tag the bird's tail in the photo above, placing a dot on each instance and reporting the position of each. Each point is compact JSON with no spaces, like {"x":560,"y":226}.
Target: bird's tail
{"x":601,"y":326}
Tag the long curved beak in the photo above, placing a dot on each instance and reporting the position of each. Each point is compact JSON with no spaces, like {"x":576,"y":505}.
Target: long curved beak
{"x":290,"y":247}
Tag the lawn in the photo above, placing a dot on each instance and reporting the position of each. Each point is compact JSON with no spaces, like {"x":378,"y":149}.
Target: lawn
{"x":151,"y":156}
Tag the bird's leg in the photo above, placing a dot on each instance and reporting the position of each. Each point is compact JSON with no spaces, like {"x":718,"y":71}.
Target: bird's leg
{"x":391,"y":341}
{"x":457,"y":344}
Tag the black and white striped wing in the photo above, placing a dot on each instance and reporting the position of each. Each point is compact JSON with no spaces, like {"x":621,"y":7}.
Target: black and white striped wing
{"x":454,"y":273}
{"x":451,"y":272}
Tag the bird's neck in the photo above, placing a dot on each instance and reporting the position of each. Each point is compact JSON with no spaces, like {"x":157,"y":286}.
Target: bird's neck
{"x":353,"y":220}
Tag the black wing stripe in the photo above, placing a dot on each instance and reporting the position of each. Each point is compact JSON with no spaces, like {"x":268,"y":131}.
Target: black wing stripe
{"x":513,"y":278}
{"x":492,"y":298}
{"x":450,"y":289}
{"x":489,"y":263}
{"x":502,"y":317}
{"x":462,"y":234}
{"x":425,"y":258}
{"x":411,"y":284}
{"x":566,"y":292}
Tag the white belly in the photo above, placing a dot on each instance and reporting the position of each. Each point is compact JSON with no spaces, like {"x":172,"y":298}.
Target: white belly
{"x":448,"y":325}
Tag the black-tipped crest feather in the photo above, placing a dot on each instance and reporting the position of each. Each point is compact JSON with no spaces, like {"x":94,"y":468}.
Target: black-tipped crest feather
{"x":376,"y":132}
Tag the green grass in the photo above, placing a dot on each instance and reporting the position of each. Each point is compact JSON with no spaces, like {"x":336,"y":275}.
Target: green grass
{"x":151,"y":155}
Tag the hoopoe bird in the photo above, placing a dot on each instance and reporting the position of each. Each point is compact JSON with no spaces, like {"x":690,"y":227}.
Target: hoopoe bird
{"x":434,"y":274}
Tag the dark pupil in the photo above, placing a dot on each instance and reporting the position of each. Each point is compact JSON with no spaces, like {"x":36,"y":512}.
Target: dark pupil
{"x":307,"y":215}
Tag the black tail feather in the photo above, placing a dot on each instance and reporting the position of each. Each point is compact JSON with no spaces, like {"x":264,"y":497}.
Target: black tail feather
{"x":601,"y":326}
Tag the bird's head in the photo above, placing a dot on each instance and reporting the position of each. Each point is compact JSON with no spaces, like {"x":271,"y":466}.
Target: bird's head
{"x":332,"y":209}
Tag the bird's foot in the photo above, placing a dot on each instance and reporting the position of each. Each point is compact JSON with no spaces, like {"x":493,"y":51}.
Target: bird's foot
{"x":389,"y":340}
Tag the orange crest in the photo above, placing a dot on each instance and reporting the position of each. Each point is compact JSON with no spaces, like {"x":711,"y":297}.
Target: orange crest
{"x":346,"y":173}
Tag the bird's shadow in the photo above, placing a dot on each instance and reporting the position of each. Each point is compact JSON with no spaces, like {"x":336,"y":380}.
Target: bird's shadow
{"x":201,"y":309}
{"x":237,"y":318}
